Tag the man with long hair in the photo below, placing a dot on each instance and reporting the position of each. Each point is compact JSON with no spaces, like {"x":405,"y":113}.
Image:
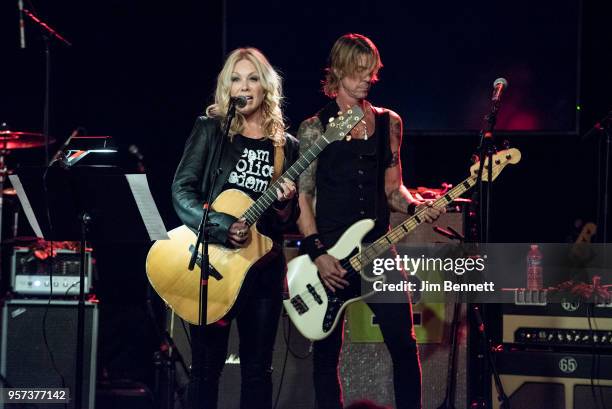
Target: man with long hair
{"x":354,"y":179}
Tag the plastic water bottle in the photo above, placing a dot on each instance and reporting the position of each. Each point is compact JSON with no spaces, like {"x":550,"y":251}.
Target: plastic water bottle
{"x":534,"y":268}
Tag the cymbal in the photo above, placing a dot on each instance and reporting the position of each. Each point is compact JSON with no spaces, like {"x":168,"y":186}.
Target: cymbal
{"x":10,"y":140}
{"x":9,"y":191}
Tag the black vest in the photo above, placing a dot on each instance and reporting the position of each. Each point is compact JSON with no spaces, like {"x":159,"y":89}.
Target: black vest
{"x":350,"y":181}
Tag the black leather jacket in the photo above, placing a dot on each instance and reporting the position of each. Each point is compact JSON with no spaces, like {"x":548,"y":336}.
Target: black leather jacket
{"x":192,"y":180}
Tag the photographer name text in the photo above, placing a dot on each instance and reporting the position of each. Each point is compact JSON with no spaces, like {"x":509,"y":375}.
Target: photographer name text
{"x":427,"y":286}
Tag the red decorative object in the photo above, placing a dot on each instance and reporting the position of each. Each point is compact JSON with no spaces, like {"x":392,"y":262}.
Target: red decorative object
{"x":594,"y":292}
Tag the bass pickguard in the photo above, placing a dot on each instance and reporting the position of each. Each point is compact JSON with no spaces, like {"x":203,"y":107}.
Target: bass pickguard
{"x":337,"y":299}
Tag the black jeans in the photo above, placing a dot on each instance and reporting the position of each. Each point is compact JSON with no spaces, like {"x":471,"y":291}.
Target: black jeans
{"x":395,"y":322}
{"x":257,"y":324}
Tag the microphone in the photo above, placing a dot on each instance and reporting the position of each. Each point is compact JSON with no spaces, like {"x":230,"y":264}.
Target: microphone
{"x":499,"y":86}
{"x":21,"y":24}
{"x":238,"y":102}
{"x":133,"y":149}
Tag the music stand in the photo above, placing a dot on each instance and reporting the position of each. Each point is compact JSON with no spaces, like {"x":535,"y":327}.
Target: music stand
{"x":87,"y":203}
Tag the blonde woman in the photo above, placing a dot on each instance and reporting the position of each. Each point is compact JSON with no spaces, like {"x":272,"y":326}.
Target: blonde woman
{"x":247,"y":163}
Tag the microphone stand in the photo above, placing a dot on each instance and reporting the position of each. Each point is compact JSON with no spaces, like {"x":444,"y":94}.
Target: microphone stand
{"x":204,"y":239}
{"x":603,"y":126}
{"x":606,"y":181}
{"x":48,"y":33}
{"x":449,"y":396}
{"x":165,"y":358}
{"x":501,"y":394}
{"x":486,"y":149}
{"x":3,"y":173}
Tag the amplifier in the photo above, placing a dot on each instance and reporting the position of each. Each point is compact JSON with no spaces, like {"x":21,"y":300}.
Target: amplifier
{"x":30,"y":274}
{"x":558,"y":325}
{"x":29,"y":360}
{"x":366,"y":367}
{"x":551,"y":380}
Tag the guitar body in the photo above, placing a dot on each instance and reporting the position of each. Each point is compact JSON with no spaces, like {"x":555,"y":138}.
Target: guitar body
{"x":313,"y":309}
{"x":167,"y":263}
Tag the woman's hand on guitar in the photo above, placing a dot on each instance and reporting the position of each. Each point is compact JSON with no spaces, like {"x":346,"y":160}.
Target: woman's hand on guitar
{"x":238,"y":233}
{"x":331,"y":272}
{"x":287,"y":192}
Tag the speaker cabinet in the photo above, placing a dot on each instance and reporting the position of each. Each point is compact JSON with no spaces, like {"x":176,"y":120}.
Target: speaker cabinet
{"x":553,"y":380}
{"x":25,"y":360}
{"x":366,"y":366}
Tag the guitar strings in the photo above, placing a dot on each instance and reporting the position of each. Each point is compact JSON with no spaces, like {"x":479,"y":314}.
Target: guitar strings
{"x":398,"y":232}
{"x":265,"y":200}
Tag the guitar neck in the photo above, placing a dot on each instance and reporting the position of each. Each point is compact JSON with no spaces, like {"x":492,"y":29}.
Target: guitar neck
{"x":254,"y":212}
{"x":368,"y":254}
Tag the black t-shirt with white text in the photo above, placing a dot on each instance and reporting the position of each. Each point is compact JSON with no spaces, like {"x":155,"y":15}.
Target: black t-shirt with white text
{"x":253,"y":175}
{"x":255,"y":167}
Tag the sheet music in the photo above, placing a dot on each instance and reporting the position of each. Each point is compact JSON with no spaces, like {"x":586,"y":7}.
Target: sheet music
{"x":146,"y":206}
{"x":25,"y":204}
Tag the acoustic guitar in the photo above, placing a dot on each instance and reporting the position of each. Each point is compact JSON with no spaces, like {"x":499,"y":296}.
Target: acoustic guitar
{"x":167,"y":260}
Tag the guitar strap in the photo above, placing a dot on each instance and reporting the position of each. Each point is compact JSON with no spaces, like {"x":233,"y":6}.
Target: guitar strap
{"x":279,"y":158}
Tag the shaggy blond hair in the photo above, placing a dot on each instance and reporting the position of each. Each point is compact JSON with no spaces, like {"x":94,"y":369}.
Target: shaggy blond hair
{"x":345,"y":59}
{"x":273,"y":123}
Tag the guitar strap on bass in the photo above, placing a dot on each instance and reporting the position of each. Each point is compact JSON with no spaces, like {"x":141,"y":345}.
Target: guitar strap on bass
{"x":279,"y":157}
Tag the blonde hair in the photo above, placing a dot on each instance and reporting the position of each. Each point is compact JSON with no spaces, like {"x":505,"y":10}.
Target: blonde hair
{"x":273,"y":122}
{"x":345,"y":60}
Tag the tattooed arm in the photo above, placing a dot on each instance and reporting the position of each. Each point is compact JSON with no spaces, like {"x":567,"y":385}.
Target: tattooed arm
{"x":330,"y":270}
{"x":309,"y":131}
{"x":398,"y":197}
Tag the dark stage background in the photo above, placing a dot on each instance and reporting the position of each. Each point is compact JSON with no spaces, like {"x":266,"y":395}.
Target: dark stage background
{"x":440,"y":58}
{"x":142,"y":71}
